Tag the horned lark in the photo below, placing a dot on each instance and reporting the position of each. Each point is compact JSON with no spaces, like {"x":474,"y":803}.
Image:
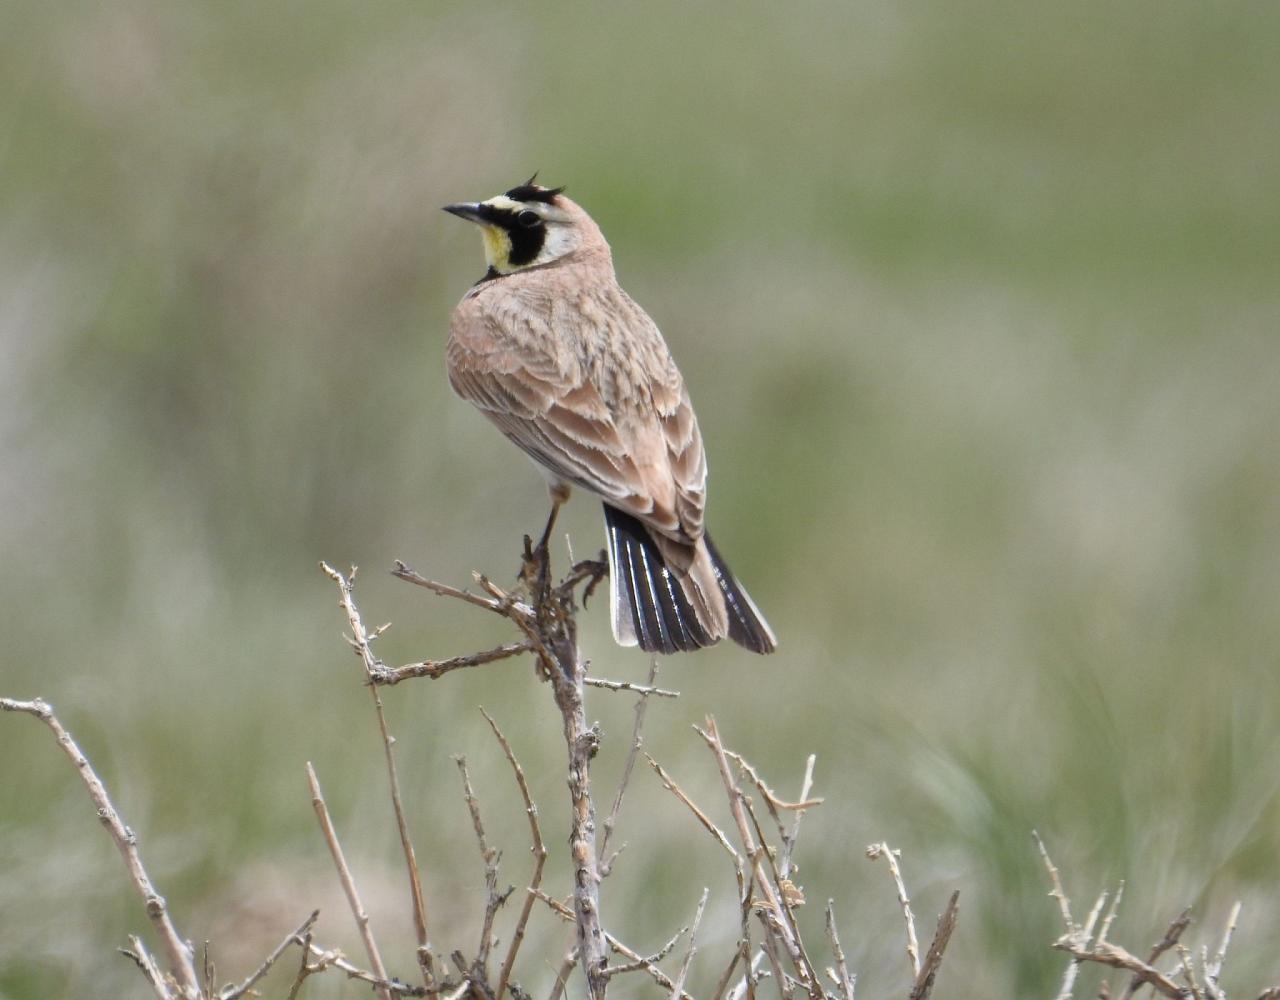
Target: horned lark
{"x":568,"y":367}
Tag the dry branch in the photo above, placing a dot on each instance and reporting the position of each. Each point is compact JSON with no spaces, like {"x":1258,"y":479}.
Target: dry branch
{"x":923,"y":985}
{"x":303,"y":931}
{"x":361,"y":641}
{"x":348,"y":882}
{"x":883,"y":850}
{"x":387,"y":676}
{"x":186,"y":983}
{"x":538,"y":848}
{"x":1204,"y":984}
{"x":493,"y":900}
{"x":642,"y":705}
{"x":678,"y":986}
{"x":840,"y":975}
{"x":550,"y":630}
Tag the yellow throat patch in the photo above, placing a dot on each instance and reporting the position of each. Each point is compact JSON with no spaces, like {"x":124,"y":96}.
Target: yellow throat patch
{"x":497,"y":247}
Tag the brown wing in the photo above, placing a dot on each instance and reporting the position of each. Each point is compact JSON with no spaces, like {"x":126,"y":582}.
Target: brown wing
{"x":588,"y":389}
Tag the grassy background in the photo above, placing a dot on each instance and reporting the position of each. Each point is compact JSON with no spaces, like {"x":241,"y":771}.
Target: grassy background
{"x":979,"y":304}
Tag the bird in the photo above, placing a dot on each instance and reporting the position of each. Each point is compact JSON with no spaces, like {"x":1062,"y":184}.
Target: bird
{"x":564,"y":362}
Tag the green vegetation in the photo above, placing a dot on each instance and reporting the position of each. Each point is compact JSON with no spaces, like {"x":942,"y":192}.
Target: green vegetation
{"x":979,"y":305}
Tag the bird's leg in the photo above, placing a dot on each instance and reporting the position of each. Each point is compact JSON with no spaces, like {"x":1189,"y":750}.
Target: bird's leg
{"x":559,"y":495}
{"x":537,"y":568}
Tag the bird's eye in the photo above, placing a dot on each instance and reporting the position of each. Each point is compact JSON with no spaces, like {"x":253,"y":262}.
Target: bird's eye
{"x":528,"y":219}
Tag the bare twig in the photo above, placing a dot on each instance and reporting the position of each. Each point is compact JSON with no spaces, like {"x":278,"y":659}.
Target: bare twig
{"x":656,"y":974}
{"x":209,"y":971}
{"x":1213,"y":969}
{"x":643,"y":962}
{"x":628,"y":686}
{"x":348,"y":883}
{"x":722,"y":983}
{"x":678,"y":986}
{"x":403,"y":572}
{"x":493,"y":898}
{"x":1170,"y":940}
{"x":138,"y":954}
{"x":361,"y":642}
{"x":304,"y":929}
{"x":790,"y":896}
{"x":769,"y":947}
{"x":567,"y":965}
{"x":841,"y":977}
{"x":756,"y":853}
{"x":178,"y":952}
{"x":669,"y":783}
{"x":1055,"y":881}
{"x":538,"y":848}
{"x":387,"y":676}
{"x":305,"y":969}
{"x":1082,"y":935}
{"x":641,"y":707}
{"x":883,"y":850}
{"x":549,"y":628}
{"x":1106,"y":953}
{"x":933,"y":959}
{"x":1112,"y":910}
{"x":806,"y":786}
{"x":332,"y":958}
{"x":773,"y":800}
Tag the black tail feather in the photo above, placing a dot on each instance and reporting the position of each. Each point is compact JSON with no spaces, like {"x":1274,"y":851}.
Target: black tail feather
{"x":652,"y":599}
{"x":747,"y":626}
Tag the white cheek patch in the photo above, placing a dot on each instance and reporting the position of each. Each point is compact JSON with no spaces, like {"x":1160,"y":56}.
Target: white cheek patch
{"x":560,"y":240}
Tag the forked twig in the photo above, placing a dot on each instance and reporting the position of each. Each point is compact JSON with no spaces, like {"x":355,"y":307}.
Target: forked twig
{"x":641,"y":707}
{"x":489,"y":855}
{"x":304,"y":930}
{"x":678,"y":986}
{"x":138,"y":954}
{"x":539,"y":858}
{"x":840,"y":976}
{"x":179,"y":954}
{"x":361,"y":641}
{"x":644,"y":964}
{"x":388,"y":676}
{"x":403,"y":572}
{"x":332,"y":958}
{"x":755,"y":853}
{"x":1106,"y":953}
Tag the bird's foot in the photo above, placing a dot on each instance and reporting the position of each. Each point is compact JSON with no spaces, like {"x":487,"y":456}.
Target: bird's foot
{"x":591,"y":570}
{"x":535,"y":569}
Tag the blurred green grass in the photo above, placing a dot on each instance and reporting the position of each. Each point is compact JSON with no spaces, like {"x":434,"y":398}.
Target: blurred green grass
{"x":979,"y":306}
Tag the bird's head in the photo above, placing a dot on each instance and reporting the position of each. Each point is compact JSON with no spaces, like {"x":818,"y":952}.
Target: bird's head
{"x":528,"y":226}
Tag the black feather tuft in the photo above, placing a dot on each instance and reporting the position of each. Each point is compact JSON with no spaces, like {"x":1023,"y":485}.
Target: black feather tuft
{"x":529,"y":191}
